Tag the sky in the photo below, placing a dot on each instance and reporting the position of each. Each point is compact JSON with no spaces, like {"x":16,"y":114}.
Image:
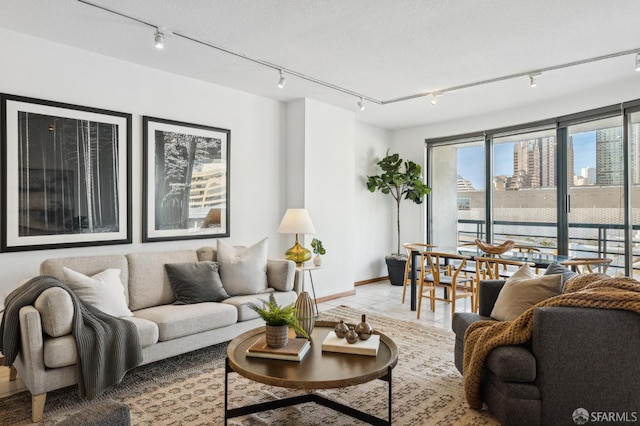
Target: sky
{"x":471,"y":159}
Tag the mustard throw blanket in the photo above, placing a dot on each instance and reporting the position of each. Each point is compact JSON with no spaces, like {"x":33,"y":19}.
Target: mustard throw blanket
{"x":587,"y":291}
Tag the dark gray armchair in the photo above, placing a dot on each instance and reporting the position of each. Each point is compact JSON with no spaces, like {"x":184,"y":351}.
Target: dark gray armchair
{"x":578,"y":358}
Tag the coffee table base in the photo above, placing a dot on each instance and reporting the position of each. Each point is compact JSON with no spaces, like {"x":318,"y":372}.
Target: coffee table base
{"x":301,"y":399}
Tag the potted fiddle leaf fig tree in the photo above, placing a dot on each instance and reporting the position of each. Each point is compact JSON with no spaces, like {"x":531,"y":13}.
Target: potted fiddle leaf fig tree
{"x":402,"y":180}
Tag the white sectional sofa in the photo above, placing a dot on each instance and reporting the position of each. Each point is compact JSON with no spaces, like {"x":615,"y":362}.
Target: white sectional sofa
{"x":47,"y":357}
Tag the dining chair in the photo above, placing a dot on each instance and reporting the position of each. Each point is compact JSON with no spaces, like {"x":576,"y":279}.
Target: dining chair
{"x":447,"y":277}
{"x":407,"y":267}
{"x":587,"y":265}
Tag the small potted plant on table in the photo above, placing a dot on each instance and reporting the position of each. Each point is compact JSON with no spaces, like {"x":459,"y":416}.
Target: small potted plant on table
{"x":318,"y":250}
{"x":278,"y":320}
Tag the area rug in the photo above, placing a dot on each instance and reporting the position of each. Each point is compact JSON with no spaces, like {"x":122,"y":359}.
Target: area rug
{"x":189,"y":389}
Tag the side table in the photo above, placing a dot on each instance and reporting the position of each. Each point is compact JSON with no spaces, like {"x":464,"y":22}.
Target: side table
{"x":309,"y":268}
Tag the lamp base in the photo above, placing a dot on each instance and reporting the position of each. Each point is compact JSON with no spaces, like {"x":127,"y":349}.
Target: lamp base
{"x":298,"y":254}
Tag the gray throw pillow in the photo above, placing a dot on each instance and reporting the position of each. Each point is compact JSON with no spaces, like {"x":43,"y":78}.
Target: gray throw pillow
{"x":556,"y":268}
{"x":195,"y":282}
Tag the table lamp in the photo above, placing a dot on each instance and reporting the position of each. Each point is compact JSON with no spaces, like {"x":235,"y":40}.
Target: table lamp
{"x":297,"y":221}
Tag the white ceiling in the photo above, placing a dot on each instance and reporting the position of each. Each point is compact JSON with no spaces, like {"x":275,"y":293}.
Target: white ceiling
{"x":382,"y":49}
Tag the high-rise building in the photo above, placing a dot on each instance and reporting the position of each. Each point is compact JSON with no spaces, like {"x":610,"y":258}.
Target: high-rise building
{"x":534,"y":163}
{"x":609,"y":156}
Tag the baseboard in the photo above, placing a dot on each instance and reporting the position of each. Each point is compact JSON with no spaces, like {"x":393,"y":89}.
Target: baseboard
{"x":351,"y":292}
{"x":336,"y":296}
{"x":371,"y":280}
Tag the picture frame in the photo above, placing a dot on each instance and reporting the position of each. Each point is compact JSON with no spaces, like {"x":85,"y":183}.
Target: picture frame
{"x":185,"y":180}
{"x":66,"y":177}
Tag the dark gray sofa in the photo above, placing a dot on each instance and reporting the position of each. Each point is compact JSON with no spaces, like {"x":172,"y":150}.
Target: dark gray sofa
{"x":577,"y":358}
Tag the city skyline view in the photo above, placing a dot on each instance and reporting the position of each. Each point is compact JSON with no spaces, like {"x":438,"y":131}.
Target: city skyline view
{"x":471,"y":159}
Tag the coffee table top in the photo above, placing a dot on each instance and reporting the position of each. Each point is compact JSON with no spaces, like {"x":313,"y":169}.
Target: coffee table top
{"x":317,"y":370}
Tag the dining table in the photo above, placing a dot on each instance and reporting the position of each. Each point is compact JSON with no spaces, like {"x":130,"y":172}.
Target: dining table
{"x":539,"y":259}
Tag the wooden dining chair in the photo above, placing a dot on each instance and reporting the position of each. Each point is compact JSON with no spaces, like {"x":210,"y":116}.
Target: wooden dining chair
{"x":588,"y":265}
{"x":443,"y":271}
{"x":407,"y":267}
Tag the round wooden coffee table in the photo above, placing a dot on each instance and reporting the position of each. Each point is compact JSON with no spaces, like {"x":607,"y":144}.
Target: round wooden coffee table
{"x":317,"y":370}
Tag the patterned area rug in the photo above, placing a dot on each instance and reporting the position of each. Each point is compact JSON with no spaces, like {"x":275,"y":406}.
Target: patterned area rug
{"x":189,"y":389}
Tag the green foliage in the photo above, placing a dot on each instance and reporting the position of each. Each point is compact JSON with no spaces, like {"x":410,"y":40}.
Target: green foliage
{"x":402,"y":179}
{"x":275,"y":315}
{"x":317,"y":247}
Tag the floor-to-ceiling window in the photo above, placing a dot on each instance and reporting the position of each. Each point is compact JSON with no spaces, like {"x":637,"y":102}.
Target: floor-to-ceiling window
{"x":460,"y":214}
{"x":524,"y":189}
{"x":570,"y":186}
{"x":595,"y":177}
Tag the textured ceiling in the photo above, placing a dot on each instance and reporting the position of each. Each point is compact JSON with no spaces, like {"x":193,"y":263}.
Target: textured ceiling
{"x":380,"y":49}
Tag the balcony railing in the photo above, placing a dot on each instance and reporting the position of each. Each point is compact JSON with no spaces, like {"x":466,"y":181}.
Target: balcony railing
{"x":585,"y":240}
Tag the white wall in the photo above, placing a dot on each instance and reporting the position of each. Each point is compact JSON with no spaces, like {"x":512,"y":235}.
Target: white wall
{"x":329,"y":192}
{"x":321,"y":168}
{"x":375,"y":212}
{"x":41,"y":69}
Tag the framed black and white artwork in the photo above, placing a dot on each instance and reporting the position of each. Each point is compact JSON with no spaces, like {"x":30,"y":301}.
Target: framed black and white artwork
{"x":66,"y":177}
{"x":185,"y":181}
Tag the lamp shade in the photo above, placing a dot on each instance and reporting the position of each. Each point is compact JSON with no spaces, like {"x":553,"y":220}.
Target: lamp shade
{"x":296,"y":221}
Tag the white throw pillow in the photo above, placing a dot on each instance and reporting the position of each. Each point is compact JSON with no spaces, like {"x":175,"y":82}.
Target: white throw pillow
{"x":103,"y":291}
{"x":243,"y":270}
{"x":523,"y":290}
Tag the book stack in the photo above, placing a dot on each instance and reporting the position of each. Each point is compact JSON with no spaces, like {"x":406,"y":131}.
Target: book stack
{"x":333,"y":343}
{"x":295,"y":350}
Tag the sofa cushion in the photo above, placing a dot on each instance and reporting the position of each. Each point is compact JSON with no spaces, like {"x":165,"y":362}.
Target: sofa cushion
{"x":243,"y":271}
{"x":512,"y":363}
{"x":245,"y":313}
{"x":103,"y":291}
{"x":462,"y":320}
{"x":148,"y":281}
{"x":520,"y":293}
{"x":60,"y":351}
{"x":176,"y":321}
{"x":196,"y":282}
{"x":147,"y":331}
{"x":56,"y":311}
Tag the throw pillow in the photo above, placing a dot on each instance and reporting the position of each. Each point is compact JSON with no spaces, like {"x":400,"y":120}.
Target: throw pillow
{"x":243,"y":270}
{"x":195,"y":282}
{"x":103,"y":291}
{"x":556,"y":268}
{"x":521,"y":292}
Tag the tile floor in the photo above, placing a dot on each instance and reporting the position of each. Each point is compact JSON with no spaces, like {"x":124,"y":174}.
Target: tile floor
{"x":377,"y":297}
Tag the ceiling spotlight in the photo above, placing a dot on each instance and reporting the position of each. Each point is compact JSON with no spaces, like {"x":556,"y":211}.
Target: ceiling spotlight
{"x":638,"y":61}
{"x":282,"y":81}
{"x":434,"y":97}
{"x":532,"y":79}
{"x":159,"y":39}
{"x":361,"y":104}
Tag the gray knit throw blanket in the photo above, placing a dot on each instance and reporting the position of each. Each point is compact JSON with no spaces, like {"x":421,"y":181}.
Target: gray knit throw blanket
{"x":108,"y":347}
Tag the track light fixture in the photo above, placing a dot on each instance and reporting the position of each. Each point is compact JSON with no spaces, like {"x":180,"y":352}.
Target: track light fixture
{"x":532,"y":79}
{"x":282,"y":81}
{"x":434,"y":97}
{"x":161,"y":32}
{"x":159,"y":39}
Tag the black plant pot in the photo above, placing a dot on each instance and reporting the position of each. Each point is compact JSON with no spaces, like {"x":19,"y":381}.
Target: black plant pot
{"x":395,"y":267}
